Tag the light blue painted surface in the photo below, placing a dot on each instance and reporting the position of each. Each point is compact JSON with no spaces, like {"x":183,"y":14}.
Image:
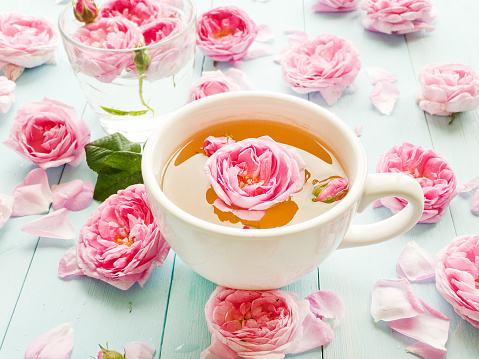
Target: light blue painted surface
{"x":168,"y":311}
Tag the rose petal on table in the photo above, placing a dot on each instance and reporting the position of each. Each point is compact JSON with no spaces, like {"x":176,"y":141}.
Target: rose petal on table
{"x":475,"y":203}
{"x":259,"y":51}
{"x":12,"y":72}
{"x":240,"y":79}
{"x":384,"y":97}
{"x":426,"y":351}
{"x":359,"y":130}
{"x":53,"y":225}
{"x":430,"y":327}
{"x":394,"y":299}
{"x":327,"y":304}
{"x":74,"y":195}
{"x":247,"y":215}
{"x":56,"y":343}
{"x":6,"y":206}
{"x":139,"y":350}
{"x":377,"y":74}
{"x":265,"y":33}
{"x":69,"y":264}
{"x":469,"y":185}
{"x":415,"y":263}
{"x":33,"y":195}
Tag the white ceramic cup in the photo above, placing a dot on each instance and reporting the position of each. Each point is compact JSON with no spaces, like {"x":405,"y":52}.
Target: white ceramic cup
{"x":272,"y":258}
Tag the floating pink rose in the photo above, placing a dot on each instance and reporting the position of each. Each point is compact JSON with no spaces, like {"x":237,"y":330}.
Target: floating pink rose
{"x":255,"y":173}
{"x":430,"y":170}
{"x":120,"y":244}
{"x":457,"y":276}
{"x":212,"y":144}
{"x":26,"y":41}
{"x":7,"y":94}
{"x":398,"y":16}
{"x":85,"y":11}
{"x":225,"y":33}
{"x":261,"y":324}
{"x":114,"y":33}
{"x":326,"y":63}
{"x":335,"y":5}
{"x":56,"y":343}
{"x":215,"y":82}
{"x":447,"y":88}
{"x":330,"y":190}
{"x":49,"y":133}
{"x":138,"y":11}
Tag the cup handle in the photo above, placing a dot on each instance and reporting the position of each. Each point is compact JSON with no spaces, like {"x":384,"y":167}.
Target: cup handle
{"x":382,"y":185}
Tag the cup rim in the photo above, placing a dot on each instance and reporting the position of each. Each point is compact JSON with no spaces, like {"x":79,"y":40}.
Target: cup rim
{"x":154,"y":190}
{"x":69,"y":7}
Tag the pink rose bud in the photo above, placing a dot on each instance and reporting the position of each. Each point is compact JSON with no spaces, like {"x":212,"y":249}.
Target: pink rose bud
{"x":213,"y":144}
{"x":330,"y":190}
{"x":109,"y":354}
{"x":85,"y":11}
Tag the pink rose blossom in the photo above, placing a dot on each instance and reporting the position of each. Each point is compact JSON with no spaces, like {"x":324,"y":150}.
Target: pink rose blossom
{"x":7,"y":94}
{"x":212,"y":144}
{"x":326,"y":63}
{"x":335,"y":5}
{"x":27,"y":41}
{"x":457,"y":276}
{"x":214,"y":82}
{"x":49,"y":133}
{"x":255,"y":173}
{"x":114,"y":33}
{"x":398,"y":16}
{"x":225,"y":33}
{"x":6,"y":206}
{"x":85,"y":11}
{"x":429,"y":169}
{"x":120,"y":244}
{"x":261,"y":324}
{"x":138,"y":11}
{"x":56,"y":343}
{"x":330,"y":190}
{"x":447,"y":88}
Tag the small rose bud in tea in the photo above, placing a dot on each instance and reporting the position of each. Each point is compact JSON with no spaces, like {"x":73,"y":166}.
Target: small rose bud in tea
{"x":85,"y":10}
{"x":109,"y":354}
{"x":141,"y":59}
{"x":330,"y":190}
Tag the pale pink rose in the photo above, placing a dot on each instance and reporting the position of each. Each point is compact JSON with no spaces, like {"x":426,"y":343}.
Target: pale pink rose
{"x":330,"y":190}
{"x":326,"y":63}
{"x":85,"y":10}
{"x":49,"y":133}
{"x":7,"y":94}
{"x":120,"y":244}
{"x":261,"y":324}
{"x":114,"y":33}
{"x":6,"y":206}
{"x":457,"y":276}
{"x":56,"y":343}
{"x":430,"y":170}
{"x":225,"y":33}
{"x":335,"y":5}
{"x":447,"y":88}
{"x":211,"y":144}
{"x":138,"y":11}
{"x":255,"y":173}
{"x":27,"y":40}
{"x":398,"y":16}
{"x":215,"y":82}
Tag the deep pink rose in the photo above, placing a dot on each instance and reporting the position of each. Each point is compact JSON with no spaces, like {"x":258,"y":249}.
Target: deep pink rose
{"x":120,"y":244}
{"x":49,"y":133}
{"x":255,"y":173}
{"x":261,"y":324}
{"x":457,"y":276}
{"x":215,"y":82}
{"x":85,"y":11}
{"x":335,"y":5}
{"x":447,"y":88}
{"x":225,"y":33}
{"x":138,"y":11}
{"x":7,"y":94}
{"x":398,"y":16}
{"x":430,"y":170}
{"x":326,"y":63}
{"x":27,"y":40}
{"x":212,"y":144}
{"x":109,"y":34}
{"x":330,"y":190}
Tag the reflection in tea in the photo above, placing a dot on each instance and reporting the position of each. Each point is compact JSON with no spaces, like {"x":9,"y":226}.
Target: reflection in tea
{"x":185,"y":183}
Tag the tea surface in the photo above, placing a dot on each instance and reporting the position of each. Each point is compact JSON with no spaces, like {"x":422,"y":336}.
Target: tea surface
{"x":185,"y":183}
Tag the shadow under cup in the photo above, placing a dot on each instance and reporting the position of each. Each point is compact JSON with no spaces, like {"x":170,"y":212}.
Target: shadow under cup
{"x":263,"y":258}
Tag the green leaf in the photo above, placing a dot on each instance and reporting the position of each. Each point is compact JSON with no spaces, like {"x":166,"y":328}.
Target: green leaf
{"x":129,"y":162}
{"x":97,"y":151}
{"x":111,"y":182}
{"x":123,"y":113}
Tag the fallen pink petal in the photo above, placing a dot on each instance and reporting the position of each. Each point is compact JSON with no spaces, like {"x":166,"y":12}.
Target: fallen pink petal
{"x":265,"y":33}
{"x":56,"y":343}
{"x":327,"y":304}
{"x":377,"y":75}
{"x":74,"y":195}
{"x":33,"y":195}
{"x":359,"y":130}
{"x":139,"y":350}
{"x":259,"y":51}
{"x":475,"y":203}
{"x":468,"y":185}
{"x":384,"y":97}
{"x":415,"y":263}
{"x":426,"y":351}
{"x":53,"y":225}
{"x":6,"y":205}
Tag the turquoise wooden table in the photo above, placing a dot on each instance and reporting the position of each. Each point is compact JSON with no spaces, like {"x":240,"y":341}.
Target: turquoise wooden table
{"x":168,"y":312}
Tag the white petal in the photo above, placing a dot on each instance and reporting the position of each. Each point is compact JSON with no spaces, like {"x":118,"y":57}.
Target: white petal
{"x":416,"y":263}
{"x":53,"y":225}
{"x":377,"y":74}
{"x":384,"y":97}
